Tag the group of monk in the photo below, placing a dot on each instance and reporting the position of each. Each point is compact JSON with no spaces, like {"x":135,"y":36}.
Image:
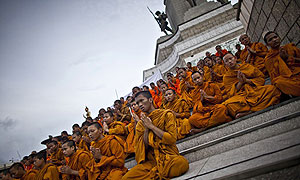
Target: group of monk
{"x":146,"y":125}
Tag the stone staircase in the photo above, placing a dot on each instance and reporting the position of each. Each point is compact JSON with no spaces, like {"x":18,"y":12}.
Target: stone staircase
{"x":263,"y":142}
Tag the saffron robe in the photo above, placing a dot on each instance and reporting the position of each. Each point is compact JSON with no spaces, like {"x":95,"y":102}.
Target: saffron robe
{"x":175,"y":86}
{"x":161,"y":160}
{"x":250,"y":97}
{"x":258,"y":59}
{"x":126,"y":115}
{"x":57,"y":157}
{"x":117,"y":128}
{"x":78,"y":162}
{"x":30,"y":175}
{"x":182,"y":123}
{"x":129,"y":143}
{"x":49,"y":172}
{"x":184,"y":91}
{"x":111,"y":164}
{"x":82,"y":145}
{"x":284,"y":75}
{"x":208,"y":113}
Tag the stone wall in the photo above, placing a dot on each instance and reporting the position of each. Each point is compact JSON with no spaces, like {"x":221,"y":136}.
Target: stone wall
{"x":282,"y":16}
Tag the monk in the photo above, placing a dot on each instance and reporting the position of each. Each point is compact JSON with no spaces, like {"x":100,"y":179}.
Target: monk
{"x":45,"y":171}
{"x":28,"y":162}
{"x":65,"y":134}
{"x":173,"y":83}
{"x":208,"y":110}
{"x":5,"y":175}
{"x":220,"y":52}
{"x":135,"y":90}
{"x":108,"y":155}
{"x":238,"y":52}
{"x":17,"y":171}
{"x":186,"y":86}
{"x":76,"y":127}
{"x":129,"y":144}
{"x":57,"y":156}
{"x":254,"y":53}
{"x":283,"y":65}
{"x":80,"y":143}
{"x":112,"y":127}
{"x":156,"y":153}
{"x":122,"y":112}
{"x":244,"y":86}
{"x":190,"y":67}
{"x":202,"y":67}
{"x":156,"y":94}
{"x":180,"y":109}
{"x":75,"y":168}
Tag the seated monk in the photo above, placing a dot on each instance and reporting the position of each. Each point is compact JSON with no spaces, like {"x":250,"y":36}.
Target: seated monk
{"x":112,"y":127}
{"x":5,"y":175}
{"x":45,"y":171}
{"x":65,"y":134}
{"x":135,"y":90}
{"x":80,"y":143}
{"x":56,"y":155}
{"x":17,"y":171}
{"x":129,"y":144}
{"x":180,"y":109}
{"x":254,"y":53}
{"x":283,"y":65}
{"x":173,"y":83}
{"x":28,"y":165}
{"x":244,"y":86}
{"x":190,"y":67}
{"x":207,"y":111}
{"x":156,"y":153}
{"x":122,"y":112}
{"x":76,"y":127}
{"x":220,"y":52}
{"x":213,"y":76}
{"x":201,"y":67}
{"x":156,"y":94}
{"x":75,"y":168}
{"x":186,"y":86}
{"x":108,"y":155}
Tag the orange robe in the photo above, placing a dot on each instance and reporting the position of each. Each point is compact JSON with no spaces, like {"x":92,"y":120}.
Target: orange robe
{"x":126,"y":115}
{"x":175,"y":85}
{"x":207,"y":75}
{"x":180,"y":106}
{"x":57,"y":157}
{"x":285,"y":76}
{"x":157,"y":96}
{"x":161,"y":160}
{"x":248,"y":98}
{"x":208,"y":113}
{"x":117,"y":128}
{"x":82,"y":145}
{"x":30,"y":174}
{"x":49,"y":172}
{"x":78,"y":162}
{"x":111,"y":164}
{"x":184,"y":91}
{"x":129,"y":144}
{"x":258,"y":59}
{"x":220,"y":70}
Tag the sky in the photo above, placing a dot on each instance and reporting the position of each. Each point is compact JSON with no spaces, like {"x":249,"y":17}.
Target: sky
{"x":58,"y":56}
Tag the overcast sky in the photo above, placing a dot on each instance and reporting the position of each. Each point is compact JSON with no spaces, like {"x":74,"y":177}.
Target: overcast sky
{"x":58,"y":56}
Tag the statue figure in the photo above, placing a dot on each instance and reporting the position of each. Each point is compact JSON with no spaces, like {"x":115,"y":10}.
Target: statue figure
{"x":88,"y":113}
{"x":161,"y":19}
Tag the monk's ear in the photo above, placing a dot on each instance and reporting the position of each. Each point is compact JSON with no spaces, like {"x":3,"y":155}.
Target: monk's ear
{"x":150,"y":100}
{"x":73,"y":148}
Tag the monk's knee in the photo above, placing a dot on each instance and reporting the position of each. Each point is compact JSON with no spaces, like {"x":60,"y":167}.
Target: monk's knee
{"x":180,"y":166}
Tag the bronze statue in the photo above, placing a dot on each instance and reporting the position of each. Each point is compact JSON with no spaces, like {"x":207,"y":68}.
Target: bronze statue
{"x":162,"y":21}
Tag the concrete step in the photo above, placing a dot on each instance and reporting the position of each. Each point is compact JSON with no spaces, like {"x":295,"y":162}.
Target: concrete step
{"x":270,"y":122}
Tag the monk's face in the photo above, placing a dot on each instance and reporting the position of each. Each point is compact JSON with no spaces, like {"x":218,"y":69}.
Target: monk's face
{"x":16,"y":172}
{"x":76,"y":129}
{"x":144,"y":103}
{"x":244,"y":39}
{"x":117,"y":105}
{"x":219,"y":49}
{"x":189,"y":65}
{"x":129,"y":99}
{"x":169,"y":95}
{"x":207,"y":54}
{"x":197,"y":79}
{"x":200,"y":64}
{"x":229,"y":61}
{"x":182,"y":73}
{"x":218,"y":60}
{"x":67,"y":150}
{"x":38,"y":162}
{"x":53,"y":147}
{"x":152,"y":86}
{"x":76,"y":138}
{"x":273,"y":40}
{"x":164,"y":87}
{"x":134,"y":106}
{"x":94,"y":132}
{"x":108,"y":119}
{"x":208,"y":62}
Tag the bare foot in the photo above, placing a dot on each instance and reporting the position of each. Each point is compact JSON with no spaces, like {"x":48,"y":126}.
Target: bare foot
{"x":239,"y":115}
{"x":195,"y":131}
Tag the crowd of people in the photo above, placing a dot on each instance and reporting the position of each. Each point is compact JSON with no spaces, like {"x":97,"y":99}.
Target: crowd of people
{"x":147,"y":124}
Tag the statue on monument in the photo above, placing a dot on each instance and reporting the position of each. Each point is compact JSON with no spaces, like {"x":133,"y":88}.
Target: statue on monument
{"x":161,"y":19}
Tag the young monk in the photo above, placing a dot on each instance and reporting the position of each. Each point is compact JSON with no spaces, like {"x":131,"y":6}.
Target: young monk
{"x":220,"y":52}
{"x":112,"y":127}
{"x":190,"y":67}
{"x":173,"y":83}
{"x":80,"y":143}
{"x":254,"y":53}
{"x":238,"y":52}
{"x":57,"y":156}
{"x":135,"y":90}
{"x":156,"y":94}
{"x":45,"y":171}
{"x":108,"y":155}
{"x":244,"y":86}
{"x":186,"y":86}
{"x":5,"y":175}
{"x":76,"y":127}
{"x":129,"y":144}
{"x":283,"y":65}
{"x":208,"y":110}
{"x":75,"y":168}
{"x":155,"y":143}
{"x":17,"y":171}
{"x":122,"y":112}
{"x":180,"y":109}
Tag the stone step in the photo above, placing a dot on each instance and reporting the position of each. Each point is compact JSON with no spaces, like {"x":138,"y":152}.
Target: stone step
{"x":244,"y":131}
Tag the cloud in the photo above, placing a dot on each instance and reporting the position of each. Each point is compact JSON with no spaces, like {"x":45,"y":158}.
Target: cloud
{"x":7,"y":123}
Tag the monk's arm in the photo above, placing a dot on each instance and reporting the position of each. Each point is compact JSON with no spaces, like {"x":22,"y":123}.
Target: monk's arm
{"x":117,"y":130}
{"x":145,"y":137}
{"x":261,"y":50}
